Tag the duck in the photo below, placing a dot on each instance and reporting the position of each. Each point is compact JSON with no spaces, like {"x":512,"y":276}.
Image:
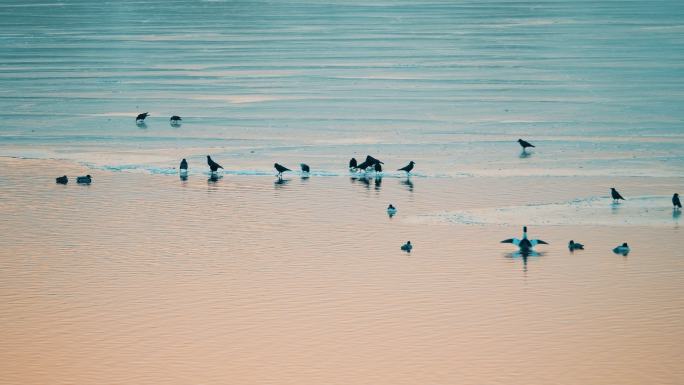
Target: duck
{"x":622,"y":249}
{"x":391,"y":210}
{"x":525,"y":244}
{"x":407,"y":247}
{"x":62,"y":179}
{"x":572,"y":245}
{"x":84,"y":179}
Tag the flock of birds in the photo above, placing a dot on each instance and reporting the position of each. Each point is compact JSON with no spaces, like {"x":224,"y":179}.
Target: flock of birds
{"x":524,"y":244}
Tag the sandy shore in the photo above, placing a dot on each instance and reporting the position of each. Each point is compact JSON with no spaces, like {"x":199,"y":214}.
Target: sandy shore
{"x":147,"y":279}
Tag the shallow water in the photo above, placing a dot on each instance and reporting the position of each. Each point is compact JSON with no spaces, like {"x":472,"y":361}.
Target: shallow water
{"x":147,"y":279}
{"x":142,"y":278}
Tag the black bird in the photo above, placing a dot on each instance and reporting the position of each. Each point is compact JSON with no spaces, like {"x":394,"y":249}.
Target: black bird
{"x":408,"y":167}
{"x":141,"y":117}
{"x":281,"y":169}
{"x":525,"y":144}
{"x":616,"y":195}
{"x":373,"y":160}
{"x":352,"y":163}
{"x":407,"y":246}
{"x":62,"y":179}
{"x":675,"y":201}
{"x":305,"y":167}
{"x":175,"y":119}
{"x":378,"y":167}
{"x":369,"y":162}
{"x":213,"y":165}
{"x":184,"y":165}
{"x":572,"y":245}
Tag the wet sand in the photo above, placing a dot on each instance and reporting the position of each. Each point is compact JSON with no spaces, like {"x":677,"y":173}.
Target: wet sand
{"x":147,"y":279}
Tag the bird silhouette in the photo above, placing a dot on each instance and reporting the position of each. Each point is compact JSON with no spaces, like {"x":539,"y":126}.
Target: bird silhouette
{"x":408,"y":167}
{"x":407,"y":246}
{"x":378,"y":167}
{"x":213,"y":166}
{"x":281,"y":169}
{"x":572,"y":245}
{"x":175,"y":119}
{"x":369,"y":162}
{"x":676,"y":202}
{"x":183,"y":165}
{"x":305,"y":167}
{"x":62,"y":179}
{"x":525,"y":144}
{"x":615,"y":194}
{"x":391,"y":210}
{"x":84,"y":179}
{"x":141,"y":117}
{"x":352,"y":164}
{"x":524,"y":244}
{"x":622,"y":249}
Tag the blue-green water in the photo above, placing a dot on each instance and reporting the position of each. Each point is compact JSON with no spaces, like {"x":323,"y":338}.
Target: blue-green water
{"x":598,"y":86}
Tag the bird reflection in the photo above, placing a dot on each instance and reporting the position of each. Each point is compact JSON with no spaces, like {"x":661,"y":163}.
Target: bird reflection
{"x":213,"y":178}
{"x":378,"y":182}
{"x":183,"y":176}
{"x":141,"y":124}
{"x":408,"y":184}
{"x":524,"y":255}
{"x":361,"y":178}
{"x":676,"y":214}
{"x":524,"y":154}
{"x":280,"y":182}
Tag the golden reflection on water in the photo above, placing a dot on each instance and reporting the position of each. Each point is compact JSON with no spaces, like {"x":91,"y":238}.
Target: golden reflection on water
{"x":141,"y":279}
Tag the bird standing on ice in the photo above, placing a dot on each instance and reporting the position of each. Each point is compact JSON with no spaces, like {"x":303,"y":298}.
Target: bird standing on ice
{"x":622,"y":249}
{"x":525,"y":144}
{"x":141,"y":117}
{"x":305,"y":168}
{"x":352,"y":164}
{"x":183,"y":165}
{"x":408,"y":167}
{"x":213,"y":166}
{"x":391,"y":210}
{"x":615,"y":194}
{"x":525,"y":245}
{"x":281,"y":169}
{"x":676,"y":202}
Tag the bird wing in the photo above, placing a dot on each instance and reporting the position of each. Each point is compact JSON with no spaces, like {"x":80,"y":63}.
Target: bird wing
{"x":538,"y":241}
{"x":514,"y":241}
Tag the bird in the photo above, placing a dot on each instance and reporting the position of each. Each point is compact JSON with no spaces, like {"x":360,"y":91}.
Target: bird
{"x":281,"y":169}
{"x":141,"y":117}
{"x":369,"y":162}
{"x":525,"y":144}
{"x":352,"y":164}
{"x":305,"y":167}
{"x":213,"y":165}
{"x":407,"y":246}
{"x":572,"y":245}
{"x":676,"y":202}
{"x":524,"y":244}
{"x":184,"y":165}
{"x":622,"y":249}
{"x":408,"y":167}
{"x":175,"y":119}
{"x":84,"y":179}
{"x":62,"y":179}
{"x":616,"y":195}
{"x":378,"y":167}
{"x":391,"y":210}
